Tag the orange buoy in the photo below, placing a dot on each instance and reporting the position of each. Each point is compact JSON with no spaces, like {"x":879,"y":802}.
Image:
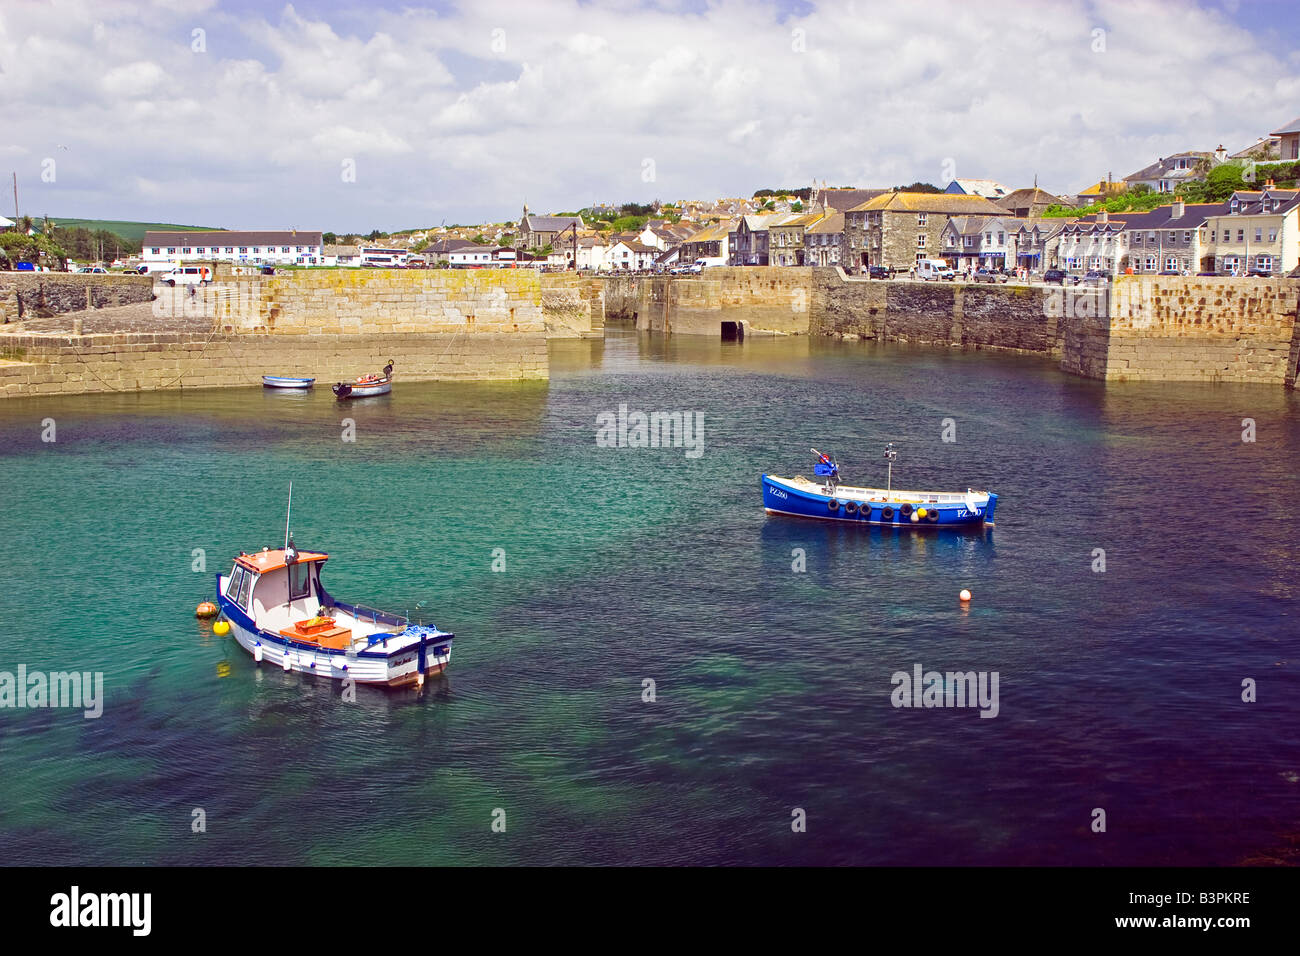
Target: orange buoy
{"x":964,"y":597}
{"x":206,"y":609}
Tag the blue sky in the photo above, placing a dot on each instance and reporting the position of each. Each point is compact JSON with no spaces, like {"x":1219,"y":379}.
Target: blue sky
{"x":386,"y":115}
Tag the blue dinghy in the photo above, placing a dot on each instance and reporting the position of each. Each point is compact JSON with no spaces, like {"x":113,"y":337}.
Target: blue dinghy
{"x":285,"y":381}
{"x":829,"y":500}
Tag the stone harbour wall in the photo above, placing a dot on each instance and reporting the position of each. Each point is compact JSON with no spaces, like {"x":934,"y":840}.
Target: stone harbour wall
{"x":71,"y":364}
{"x":26,"y":295}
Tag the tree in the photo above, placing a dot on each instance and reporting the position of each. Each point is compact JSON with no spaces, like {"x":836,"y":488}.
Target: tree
{"x":918,"y":187}
{"x":329,"y":239}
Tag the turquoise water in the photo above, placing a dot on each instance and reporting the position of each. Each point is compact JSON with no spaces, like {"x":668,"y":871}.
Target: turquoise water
{"x":1118,"y":690}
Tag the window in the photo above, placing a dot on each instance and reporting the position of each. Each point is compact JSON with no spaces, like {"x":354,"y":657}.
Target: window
{"x":199,"y":250}
{"x":1187,"y":236}
{"x":1137,"y":239}
{"x":920,"y":241}
{"x":1259,"y":234}
{"x":1002,"y":238}
{"x":243,"y":249}
{"x":185,"y":250}
{"x":155,"y":250}
{"x":1150,"y":264}
{"x":1241,"y":235}
{"x":922,"y":218}
{"x":233,"y":583}
{"x":1214,"y":235}
{"x":256,"y":250}
{"x":230,"y":250}
{"x":299,"y":581}
{"x":286,"y":248}
{"x":171,"y":250}
{"x":245,"y":586}
{"x":1171,"y":264}
{"x":1272,"y":235}
{"x":1264,"y":263}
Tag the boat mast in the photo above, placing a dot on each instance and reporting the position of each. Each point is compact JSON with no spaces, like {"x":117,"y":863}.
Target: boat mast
{"x":286,"y":517}
{"x":890,"y":455}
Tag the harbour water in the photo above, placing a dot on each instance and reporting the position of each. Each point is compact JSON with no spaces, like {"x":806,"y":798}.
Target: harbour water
{"x":1119,"y":689}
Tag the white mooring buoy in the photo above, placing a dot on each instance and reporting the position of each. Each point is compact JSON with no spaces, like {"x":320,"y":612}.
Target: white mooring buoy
{"x":257,"y":652}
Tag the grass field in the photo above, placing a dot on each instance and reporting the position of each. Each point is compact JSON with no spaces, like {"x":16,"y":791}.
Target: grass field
{"x":124,"y":228}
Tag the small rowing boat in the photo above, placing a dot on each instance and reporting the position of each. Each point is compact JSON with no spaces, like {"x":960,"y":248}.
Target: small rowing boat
{"x":829,"y":500}
{"x":367,"y":385}
{"x":285,"y":381}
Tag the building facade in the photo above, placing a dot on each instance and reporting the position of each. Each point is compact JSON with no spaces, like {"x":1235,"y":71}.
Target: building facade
{"x":291,"y":247}
{"x":897,"y":229}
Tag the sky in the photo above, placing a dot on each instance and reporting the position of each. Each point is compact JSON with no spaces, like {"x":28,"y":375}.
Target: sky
{"x":352,"y":116}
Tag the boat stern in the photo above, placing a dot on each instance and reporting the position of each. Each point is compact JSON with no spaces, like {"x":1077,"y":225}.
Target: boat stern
{"x":989,"y":508}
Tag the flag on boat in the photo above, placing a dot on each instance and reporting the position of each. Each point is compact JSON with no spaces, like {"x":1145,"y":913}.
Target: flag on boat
{"x":824,"y":470}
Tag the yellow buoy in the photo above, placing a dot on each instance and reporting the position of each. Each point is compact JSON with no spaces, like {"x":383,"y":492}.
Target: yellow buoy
{"x":921,"y":512}
{"x":206,"y":609}
{"x":964,"y":596}
{"x":221,"y":627}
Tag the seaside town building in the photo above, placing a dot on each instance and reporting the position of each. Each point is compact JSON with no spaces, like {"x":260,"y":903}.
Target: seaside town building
{"x":1289,"y":140}
{"x":786,"y":238}
{"x":1167,"y":173}
{"x":1257,"y":232}
{"x":897,"y":229}
{"x":823,"y":239}
{"x":749,"y":240}
{"x":288,"y":247}
{"x":537,"y":232}
{"x":711,"y":242}
{"x":988,"y":188}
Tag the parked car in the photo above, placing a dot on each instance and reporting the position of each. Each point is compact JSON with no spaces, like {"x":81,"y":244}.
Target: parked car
{"x":1095,"y":277}
{"x":97,"y":270}
{"x":1057,"y":276}
{"x":879,"y":272}
{"x":1259,"y":274}
{"x":988,"y":275}
{"x":1169,"y":272}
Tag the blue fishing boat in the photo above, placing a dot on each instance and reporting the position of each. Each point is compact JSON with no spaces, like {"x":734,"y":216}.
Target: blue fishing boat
{"x":828,"y":500}
{"x":285,"y":381}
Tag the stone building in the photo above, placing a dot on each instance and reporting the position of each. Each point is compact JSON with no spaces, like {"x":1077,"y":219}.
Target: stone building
{"x":823,"y":239}
{"x":785,"y":241}
{"x":898,"y":228}
{"x":537,"y":232}
{"x":1257,"y":232}
{"x":748,"y":241}
{"x":708,"y":243}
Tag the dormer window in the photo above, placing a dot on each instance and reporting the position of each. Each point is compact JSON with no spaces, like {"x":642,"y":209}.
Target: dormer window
{"x":1235,"y":206}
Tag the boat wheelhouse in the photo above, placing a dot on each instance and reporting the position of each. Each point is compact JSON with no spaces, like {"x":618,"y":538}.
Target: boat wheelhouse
{"x":828,"y":500}
{"x":280,"y":612}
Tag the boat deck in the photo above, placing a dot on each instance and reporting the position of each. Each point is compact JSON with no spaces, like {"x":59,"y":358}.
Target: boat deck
{"x":894,"y":496}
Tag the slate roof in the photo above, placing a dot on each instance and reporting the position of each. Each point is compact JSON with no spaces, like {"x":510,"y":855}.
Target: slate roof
{"x":1167,"y":167}
{"x":833,"y":223}
{"x":842,"y":200}
{"x":949,"y":204}
{"x":233,"y":238}
{"x":1291,"y":127}
{"x":550,"y":223}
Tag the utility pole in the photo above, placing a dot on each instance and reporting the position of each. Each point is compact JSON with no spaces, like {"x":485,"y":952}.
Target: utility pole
{"x":16,"y":216}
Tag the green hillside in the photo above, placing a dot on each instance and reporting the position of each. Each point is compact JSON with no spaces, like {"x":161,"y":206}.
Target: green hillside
{"x":125,"y":228}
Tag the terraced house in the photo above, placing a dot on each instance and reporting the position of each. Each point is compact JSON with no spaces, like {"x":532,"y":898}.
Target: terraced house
{"x":748,"y":241}
{"x":1037,"y":242}
{"x":1092,"y":243}
{"x":822,"y":241}
{"x":1168,"y":239}
{"x":1257,"y":232}
{"x":785,"y":242}
{"x":898,"y":228}
{"x":708,"y":243}
{"x":981,"y":242}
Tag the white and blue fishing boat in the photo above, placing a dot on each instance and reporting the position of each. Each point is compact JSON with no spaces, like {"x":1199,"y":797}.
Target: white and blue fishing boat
{"x":828,"y":500}
{"x":285,"y":381}
{"x":367,"y":385}
{"x":280,"y":612}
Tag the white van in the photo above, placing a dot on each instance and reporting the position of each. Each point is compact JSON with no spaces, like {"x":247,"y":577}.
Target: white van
{"x":704,"y":262}
{"x":187,"y":275}
{"x":927,"y":269}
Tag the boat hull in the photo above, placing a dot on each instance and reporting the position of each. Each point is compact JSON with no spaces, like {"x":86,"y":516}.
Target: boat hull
{"x":280,"y":381}
{"x":378,"y":666}
{"x":363,"y":391}
{"x":854,"y":505}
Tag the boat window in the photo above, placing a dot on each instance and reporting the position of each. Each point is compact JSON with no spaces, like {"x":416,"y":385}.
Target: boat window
{"x":244,"y":587}
{"x":233,"y":582}
{"x":299,"y":581}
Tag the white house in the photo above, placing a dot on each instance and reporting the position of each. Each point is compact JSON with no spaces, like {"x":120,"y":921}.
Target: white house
{"x":346,"y":256}
{"x":633,"y":255}
{"x":291,"y":247}
{"x":471,"y":256}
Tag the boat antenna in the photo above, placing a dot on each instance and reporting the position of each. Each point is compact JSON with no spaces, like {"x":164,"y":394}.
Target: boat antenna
{"x":890,"y":455}
{"x":286,"y":517}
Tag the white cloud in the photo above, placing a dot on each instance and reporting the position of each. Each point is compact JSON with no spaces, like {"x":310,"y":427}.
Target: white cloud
{"x":560,"y":102}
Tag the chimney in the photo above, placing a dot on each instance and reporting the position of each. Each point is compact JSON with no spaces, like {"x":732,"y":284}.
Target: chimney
{"x":1103,"y":217}
{"x":1269,"y":184}
{"x":1180,"y":207}
{"x":1220,"y":154}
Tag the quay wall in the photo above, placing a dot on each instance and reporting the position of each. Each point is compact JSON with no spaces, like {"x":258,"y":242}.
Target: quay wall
{"x":1139,"y":328}
{"x":26,"y":295}
{"x":76,"y":364}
